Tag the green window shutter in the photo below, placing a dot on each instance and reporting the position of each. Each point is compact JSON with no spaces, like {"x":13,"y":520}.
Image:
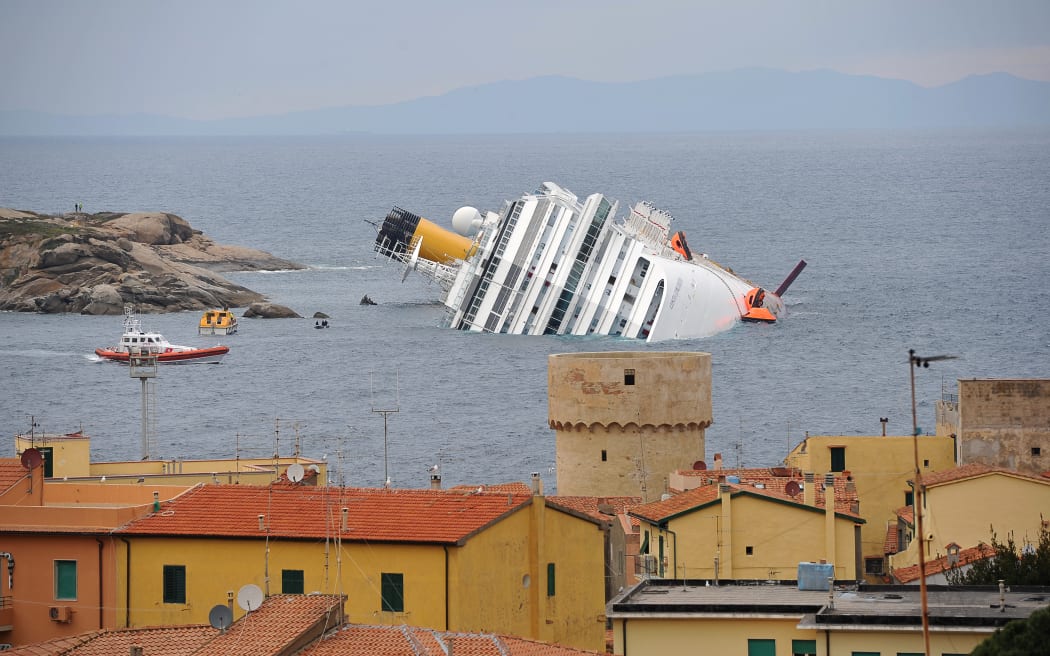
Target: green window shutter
{"x":838,"y":458}
{"x":550,"y":579}
{"x":292,"y":581}
{"x":66,"y":580}
{"x":803,"y":648}
{"x":645,"y":544}
{"x":174,"y":584}
{"x":393,"y":592}
{"x":761,"y":647}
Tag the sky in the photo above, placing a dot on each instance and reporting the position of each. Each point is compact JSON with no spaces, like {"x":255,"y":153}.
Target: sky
{"x":210,"y":59}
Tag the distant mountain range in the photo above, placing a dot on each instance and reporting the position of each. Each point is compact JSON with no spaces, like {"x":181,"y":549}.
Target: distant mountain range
{"x":746,"y":99}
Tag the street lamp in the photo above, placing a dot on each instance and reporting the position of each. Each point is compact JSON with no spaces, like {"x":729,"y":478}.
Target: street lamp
{"x":914,"y":361}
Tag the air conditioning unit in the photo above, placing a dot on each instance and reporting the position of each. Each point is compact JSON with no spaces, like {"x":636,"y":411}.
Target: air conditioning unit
{"x":60,"y":613}
{"x":647,"y":564}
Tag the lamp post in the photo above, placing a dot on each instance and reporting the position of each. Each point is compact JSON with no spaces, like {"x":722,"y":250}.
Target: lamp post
{"x":914,"y":361}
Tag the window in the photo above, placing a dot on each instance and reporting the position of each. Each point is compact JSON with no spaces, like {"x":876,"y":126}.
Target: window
{"x":909,"y":653}
{"x":1035,"y":451}
{"x":605,"y":456}
{"x":66,"y":580}
{"x":761,"y":647}
{"x":174,"y":584}
{"x":550,"y":579}
{"x":838,"y":458}
{"x":873,"y":566}
{"x":865,"y":653}
{"x":292,"y":581}
{"x":628,"y":374}
{"x":749,"y":550}
{"x":803,"y":648}
{"x":393,"y":592}
{"x":909,"y":498}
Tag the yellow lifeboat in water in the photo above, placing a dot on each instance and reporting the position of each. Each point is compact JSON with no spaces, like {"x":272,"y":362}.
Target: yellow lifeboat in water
{"x":217,"y":322}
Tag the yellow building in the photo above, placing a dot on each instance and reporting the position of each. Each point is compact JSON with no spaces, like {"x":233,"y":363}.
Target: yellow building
{"x":680,"y":618}
{"x":723,"y":531}
{"x":623,"y":420}
{"x":68,"y":457}
{"x":880,"y":468}
{"x":995,"y":500}
{"x":496,"y":558}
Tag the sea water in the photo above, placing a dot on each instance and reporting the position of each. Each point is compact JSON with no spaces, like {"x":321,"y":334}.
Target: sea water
{"x":933,"y":241}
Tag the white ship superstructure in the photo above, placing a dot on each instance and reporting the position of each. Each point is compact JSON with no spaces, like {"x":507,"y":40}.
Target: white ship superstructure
{"x":550,"y":264}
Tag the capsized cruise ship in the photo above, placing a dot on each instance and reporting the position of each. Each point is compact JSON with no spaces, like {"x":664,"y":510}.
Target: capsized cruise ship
{"x":549,"y":263}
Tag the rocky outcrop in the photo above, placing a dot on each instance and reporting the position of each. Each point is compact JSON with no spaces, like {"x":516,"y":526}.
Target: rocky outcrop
{"x":97,"y":263}
{"x":270,"y":311}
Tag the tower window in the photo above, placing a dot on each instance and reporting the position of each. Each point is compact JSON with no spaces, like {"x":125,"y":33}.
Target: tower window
{"x":605,"y":456}
{"x":1035,"y":450}
{"x":628,"y":376}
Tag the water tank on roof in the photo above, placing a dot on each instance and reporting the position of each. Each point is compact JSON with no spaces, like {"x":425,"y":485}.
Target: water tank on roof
{"x":733,"y":479}
{"x":814,"y":576}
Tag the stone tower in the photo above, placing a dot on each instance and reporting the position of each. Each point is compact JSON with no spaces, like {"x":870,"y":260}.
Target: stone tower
{"x":625,"y":420}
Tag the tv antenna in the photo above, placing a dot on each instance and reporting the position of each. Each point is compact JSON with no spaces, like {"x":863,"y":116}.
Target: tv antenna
{"x":386,"y":412}
{"x":143,"y":365}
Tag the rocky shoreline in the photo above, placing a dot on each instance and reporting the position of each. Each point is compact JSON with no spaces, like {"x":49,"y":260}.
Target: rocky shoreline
{"x":96,"y":263}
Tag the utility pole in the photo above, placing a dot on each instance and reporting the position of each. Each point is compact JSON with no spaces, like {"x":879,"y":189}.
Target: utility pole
{"x":915,"y":361}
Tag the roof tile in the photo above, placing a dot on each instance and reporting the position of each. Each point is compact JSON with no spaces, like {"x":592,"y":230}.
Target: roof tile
{"x":373,"y":514}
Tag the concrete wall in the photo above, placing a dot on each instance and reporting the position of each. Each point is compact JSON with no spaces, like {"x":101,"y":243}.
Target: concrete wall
{"x":615,"y":437}
{"x":1005,"y":423}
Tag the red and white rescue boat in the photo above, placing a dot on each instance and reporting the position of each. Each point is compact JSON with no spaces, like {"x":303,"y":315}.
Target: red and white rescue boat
{"x":137,"y":341}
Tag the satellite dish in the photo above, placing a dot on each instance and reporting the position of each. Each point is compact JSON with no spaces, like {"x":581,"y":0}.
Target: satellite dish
{"x":220,"y":617}
{"x":31,"y":458}
{"x":792,"y":488}
{"x":699,"y":465}
{"x":295,"y":472}
{"x":250,"y":597}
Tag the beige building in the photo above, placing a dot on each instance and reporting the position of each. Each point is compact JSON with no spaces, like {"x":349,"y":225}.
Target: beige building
{"x":880,"y":468}
{"x":963,"y":506}
{"x":1000,"y":422}
{"x":681,"y":618}
{"x":625,"y":420}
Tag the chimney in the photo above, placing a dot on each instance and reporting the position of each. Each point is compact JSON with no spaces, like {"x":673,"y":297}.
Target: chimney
{"x":829,"y":517}
{"x":136,"y":650}
{"x":435,"y":481}
{"x":262,"y":522}
{"x":725,"y":553}
{"x":346,"y":519}
{"x":537,"y":484}
{"x":809,"y":490}
{"x":718,"y":461}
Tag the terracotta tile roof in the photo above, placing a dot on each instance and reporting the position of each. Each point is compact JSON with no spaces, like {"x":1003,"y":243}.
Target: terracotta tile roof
{"x":155,"y":641}
{"x":973,"y":470}
{"x":11,"y":471}
{"x":283,"y":624}
{"x":592,"y":506}
{"x":360,"y":640}
{"x":846,"y":500}
{"x":906,"y":514}
{"x":503,"y":488}
{"x":373,"y":514}
{"x":889,"y":544}
{"x":941,"y":565}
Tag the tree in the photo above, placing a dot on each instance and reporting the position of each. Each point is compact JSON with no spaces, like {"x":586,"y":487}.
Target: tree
{"x":1019,"y":638}
{"x":1028,"y":565}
